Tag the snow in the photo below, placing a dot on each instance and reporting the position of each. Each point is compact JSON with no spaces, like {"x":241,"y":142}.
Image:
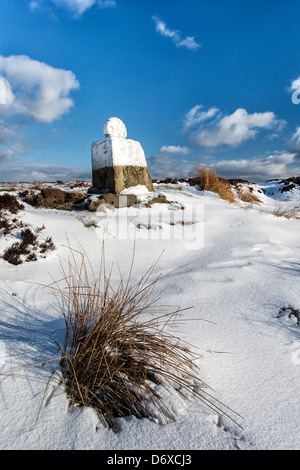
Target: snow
{"x":274,"y":189}
{"x":116,"y":151}
{"x":238,"y":266}
{"x":139,"y":189}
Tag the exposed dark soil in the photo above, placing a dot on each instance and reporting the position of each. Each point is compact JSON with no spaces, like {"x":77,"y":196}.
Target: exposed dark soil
{"x":289,"y":183}
{"x":196,"y":181}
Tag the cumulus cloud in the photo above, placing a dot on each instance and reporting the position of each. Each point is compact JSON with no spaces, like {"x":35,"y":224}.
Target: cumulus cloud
{"x":295,"y":141}
{"x":260,"y":169}
{"x":11,"y":142}
{"x":6,"y":133}
{"x":34,"y":89}
{"x":75,"y":7}
{"x":8,"y":153}
{"x":166,"y":164}
{"x":30,"y":90}
{"x":175,"y":150}
{"x":212,"y":129}
{"x":12,"y":171}
{"x":196,"y":116}
{"x":295,"y":90}
{"x":6,"y":95}
{"x":175,"y":35}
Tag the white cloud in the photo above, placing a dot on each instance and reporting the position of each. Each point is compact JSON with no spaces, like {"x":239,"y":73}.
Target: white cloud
{"x":188,"y":42}
{"x":11,"y":142}
{"x":295,"y":140}
{"x":260,"y":169}
{"x":295,"y":90}
{"x":211,"y":129}
{"x":34,"y":5}
{"x":8,"y":153}
{"x":106,"y":3}
{"x":166,"y":164}
{"x":195,"y":116}
{"x":76,"y":7}
{"x":35,"y":89}
{"x":12,"y":171}
{"x":175,"y":150}
{"x":6,"y":94}
{"x":6,"y":133}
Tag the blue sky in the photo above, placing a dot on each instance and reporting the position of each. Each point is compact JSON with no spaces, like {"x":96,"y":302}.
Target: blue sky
{"x":196,"y":82}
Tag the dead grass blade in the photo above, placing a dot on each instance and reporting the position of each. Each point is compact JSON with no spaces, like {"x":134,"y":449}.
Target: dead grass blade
{"x":286,"y":211}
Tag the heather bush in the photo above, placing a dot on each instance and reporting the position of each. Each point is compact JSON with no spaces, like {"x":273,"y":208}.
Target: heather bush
{"x":25,"y":250}
{"x":13,"y":254}
{"x":47,"y":245}
{"x":5,"y":225}
{"x":28,"y":237}
{"x":9,"y":203}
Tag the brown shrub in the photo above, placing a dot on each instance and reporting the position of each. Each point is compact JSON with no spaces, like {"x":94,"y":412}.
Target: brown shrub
{"x":9,"y":203}
{"x":47,"y":245}
{"x":13,"y":254}
{"x":31,"y":257}
{"x":28,"y":237}
{"x":5,"y":226}
{"x":26,"y":248}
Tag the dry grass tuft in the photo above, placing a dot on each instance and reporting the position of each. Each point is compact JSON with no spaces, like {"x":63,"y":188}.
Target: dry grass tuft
{"x":209,"y":180}
{"x":287,"y":212}
{"x":245,"y":195}
{"x":118,"y":352}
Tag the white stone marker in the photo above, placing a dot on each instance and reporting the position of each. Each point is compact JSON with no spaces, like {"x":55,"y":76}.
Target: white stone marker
{"x":118,"y":163}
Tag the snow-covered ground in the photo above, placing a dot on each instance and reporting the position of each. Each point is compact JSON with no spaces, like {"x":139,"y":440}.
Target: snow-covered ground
{"x":238,"y":266}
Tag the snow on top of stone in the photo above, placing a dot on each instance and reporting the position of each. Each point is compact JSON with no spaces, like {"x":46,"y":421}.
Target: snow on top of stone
{"x":114,"y":127}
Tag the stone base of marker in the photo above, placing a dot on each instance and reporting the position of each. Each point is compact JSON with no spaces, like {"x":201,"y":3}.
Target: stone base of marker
{"x":118,"y":163}
{"x":109,"y":199}
{"x":117,"y":178}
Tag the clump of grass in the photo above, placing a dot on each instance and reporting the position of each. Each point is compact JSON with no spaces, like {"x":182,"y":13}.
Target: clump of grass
{"x":287,"y":212}
{"x":118,"y":350}
{"x":209,"y":180}
{"x":247,"y":196}
{"x":9,"y":203}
